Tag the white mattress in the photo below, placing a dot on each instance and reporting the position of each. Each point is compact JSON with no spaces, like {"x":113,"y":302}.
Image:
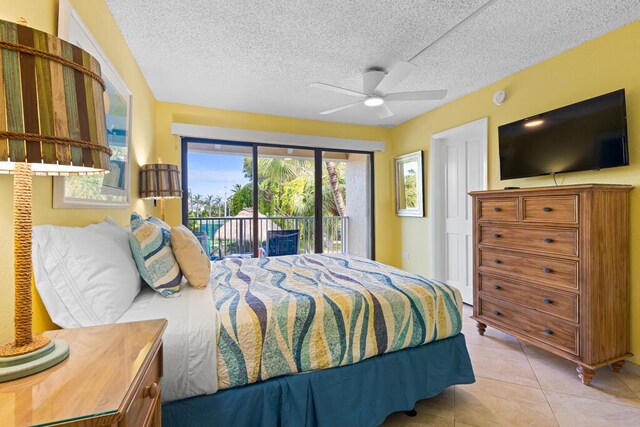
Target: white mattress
{"x":189,"y":341}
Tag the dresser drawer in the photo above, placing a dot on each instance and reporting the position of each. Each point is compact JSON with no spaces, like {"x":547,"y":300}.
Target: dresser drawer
{"x":498,"y":209}
{"x":557,"y":304}
{"x":561,"y":242}
{"x":553,"y":272}
{"x":557,"y":209}
{"x":531,"y":323}
{"x":147,"y":395}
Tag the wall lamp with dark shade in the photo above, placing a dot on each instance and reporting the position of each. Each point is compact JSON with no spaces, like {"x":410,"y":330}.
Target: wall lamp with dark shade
{"x":160,"y":181}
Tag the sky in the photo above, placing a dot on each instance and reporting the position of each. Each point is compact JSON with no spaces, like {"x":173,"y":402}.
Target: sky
{"x":211,"y":173}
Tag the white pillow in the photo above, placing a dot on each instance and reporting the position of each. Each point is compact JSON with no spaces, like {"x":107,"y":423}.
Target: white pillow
{"x":113,"y":222}
{"x":85,"y":276}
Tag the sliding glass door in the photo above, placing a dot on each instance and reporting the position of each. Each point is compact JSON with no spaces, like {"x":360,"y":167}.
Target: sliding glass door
{"x":249,"y":200}
{"x":286,"y":200}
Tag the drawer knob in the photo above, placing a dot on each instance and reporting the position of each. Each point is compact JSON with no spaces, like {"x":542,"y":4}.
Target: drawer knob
{"x":151,"y":391}
{"x":548,"y":331}
{"x":547,"y":209}
{"x":497,"y":313}
{"x":496,"y":286}
{"x":547,"y":270}
{"x":496,"y":209}
{"x":497,"y":261}
{"x":497,"y":235}
{"x":547,"y":300}
{"x":547,"y":240}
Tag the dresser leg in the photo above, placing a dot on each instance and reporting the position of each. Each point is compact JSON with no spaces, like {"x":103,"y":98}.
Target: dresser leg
{"x":481,"y":327}
{"x":615,"y":367}
{"x":585,"y":374}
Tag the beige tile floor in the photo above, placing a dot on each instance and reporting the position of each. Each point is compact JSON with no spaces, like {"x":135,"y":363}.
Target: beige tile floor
{"x":520,"y":385}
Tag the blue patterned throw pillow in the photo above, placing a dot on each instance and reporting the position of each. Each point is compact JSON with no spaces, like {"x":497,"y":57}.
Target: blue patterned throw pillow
{"x":151,"y":249}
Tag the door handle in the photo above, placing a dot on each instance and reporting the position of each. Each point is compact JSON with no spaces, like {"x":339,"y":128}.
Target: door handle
{"x":548,"y":331}
{"x":496,"y":286}
{"x":497,"y":313}
{"x":547,"y":209}
{"x":547,"y":240}
{"x":547,"y":300}
{"x":497,"y":235}
{"x":547,"y":270}
{"x":497,"y":261}
{"x":496,"y":209}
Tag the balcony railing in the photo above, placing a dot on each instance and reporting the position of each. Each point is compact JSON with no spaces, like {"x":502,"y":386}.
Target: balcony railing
{"x":233,"y":236}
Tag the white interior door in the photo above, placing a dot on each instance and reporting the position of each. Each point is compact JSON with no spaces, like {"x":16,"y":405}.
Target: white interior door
{"x":459,"y":164}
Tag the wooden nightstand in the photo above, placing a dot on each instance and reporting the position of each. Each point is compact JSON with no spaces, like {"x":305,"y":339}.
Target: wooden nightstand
{"x":112,"y":377}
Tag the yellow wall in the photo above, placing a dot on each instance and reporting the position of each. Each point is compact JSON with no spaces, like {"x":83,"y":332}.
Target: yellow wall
{"x":43,"y":15}
{"x":603,"y":65}
{"x":168,"y":148}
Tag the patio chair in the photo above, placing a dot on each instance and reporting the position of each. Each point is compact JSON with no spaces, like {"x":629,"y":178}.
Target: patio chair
{"x":283,"y":242}
{"x":214,"y":254}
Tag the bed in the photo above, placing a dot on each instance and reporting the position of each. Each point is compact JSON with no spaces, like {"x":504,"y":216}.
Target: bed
{"x":323,"y":339}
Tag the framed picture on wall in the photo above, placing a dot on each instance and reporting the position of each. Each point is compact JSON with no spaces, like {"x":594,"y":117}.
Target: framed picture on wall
{"x":409,"y":178}
{"x":110,"y":190}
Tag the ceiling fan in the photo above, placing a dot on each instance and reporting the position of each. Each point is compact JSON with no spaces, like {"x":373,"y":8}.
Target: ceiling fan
{"x":375,"y":90}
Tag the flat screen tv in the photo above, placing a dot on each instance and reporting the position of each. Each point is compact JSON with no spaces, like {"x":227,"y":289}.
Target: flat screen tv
{"x":588,"y":135}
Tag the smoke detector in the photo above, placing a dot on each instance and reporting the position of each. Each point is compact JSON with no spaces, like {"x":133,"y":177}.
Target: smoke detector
{"x":500,"y":97}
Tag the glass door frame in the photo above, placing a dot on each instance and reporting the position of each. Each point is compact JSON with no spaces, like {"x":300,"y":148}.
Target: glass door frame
{"x":184,"y":149}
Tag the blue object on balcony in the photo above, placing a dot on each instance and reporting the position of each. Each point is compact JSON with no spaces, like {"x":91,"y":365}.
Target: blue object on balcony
{"x":203,"y":238}
{"x":213,"y":256}
{"x":283,"y":242}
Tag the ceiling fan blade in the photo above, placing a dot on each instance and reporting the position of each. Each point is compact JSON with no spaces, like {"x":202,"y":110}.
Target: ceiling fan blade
{"x":371,"y":79}
{"x":384,"y":111}
{"x":420,"y":95}
{"x":398,"y":73}
{"x":344,"y":107}
{"x":338,"y":89}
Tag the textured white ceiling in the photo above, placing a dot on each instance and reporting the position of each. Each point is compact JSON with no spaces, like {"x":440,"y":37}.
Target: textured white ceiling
{"x":261,"y":56}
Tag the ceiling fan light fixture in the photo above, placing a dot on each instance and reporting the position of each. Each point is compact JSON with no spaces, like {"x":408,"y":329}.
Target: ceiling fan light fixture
{"x":373,"y":101}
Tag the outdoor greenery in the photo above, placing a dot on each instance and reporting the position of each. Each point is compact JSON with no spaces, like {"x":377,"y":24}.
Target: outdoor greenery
{"x":205,"y":206}
{"x":285,"y":188}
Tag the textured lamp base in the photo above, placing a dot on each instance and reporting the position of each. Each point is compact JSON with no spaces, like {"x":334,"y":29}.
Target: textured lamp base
{"x":14,"y":367}
{"x":12,"y":349}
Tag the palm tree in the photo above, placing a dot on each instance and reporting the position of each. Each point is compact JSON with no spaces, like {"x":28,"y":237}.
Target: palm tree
{"x":218,"y":202}
{"x":281,"y":170}
{"x":190,"y":201}
{"x":334,"y":184}
{"x":208,"y":201}
{"x":286,"y":187}
{"x":242,"y":197}
{"x":197,"y":201}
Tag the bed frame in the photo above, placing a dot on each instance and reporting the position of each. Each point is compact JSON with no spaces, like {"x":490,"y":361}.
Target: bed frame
{"x":362,"y":394}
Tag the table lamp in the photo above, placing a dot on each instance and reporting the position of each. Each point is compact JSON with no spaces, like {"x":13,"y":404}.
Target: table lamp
{"x":160,"y":181}
{"x":52,"y":122}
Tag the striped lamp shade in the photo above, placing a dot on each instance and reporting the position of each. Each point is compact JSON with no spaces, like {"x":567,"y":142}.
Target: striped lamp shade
{"x":160,"y":180}
{"x":51,"y":105}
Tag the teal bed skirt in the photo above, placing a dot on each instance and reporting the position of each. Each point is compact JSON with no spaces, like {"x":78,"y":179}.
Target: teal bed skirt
{"x":363,"y":394}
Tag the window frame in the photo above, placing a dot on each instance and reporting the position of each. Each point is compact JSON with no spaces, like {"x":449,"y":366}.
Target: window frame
{"x":184,"y":149}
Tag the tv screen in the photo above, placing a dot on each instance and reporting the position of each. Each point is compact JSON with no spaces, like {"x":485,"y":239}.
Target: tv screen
{"x":589,"y":135}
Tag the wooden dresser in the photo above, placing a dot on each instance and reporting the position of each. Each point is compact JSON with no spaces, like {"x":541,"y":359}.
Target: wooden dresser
{"x":111,"y":378}
{"x":551,"y":267}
